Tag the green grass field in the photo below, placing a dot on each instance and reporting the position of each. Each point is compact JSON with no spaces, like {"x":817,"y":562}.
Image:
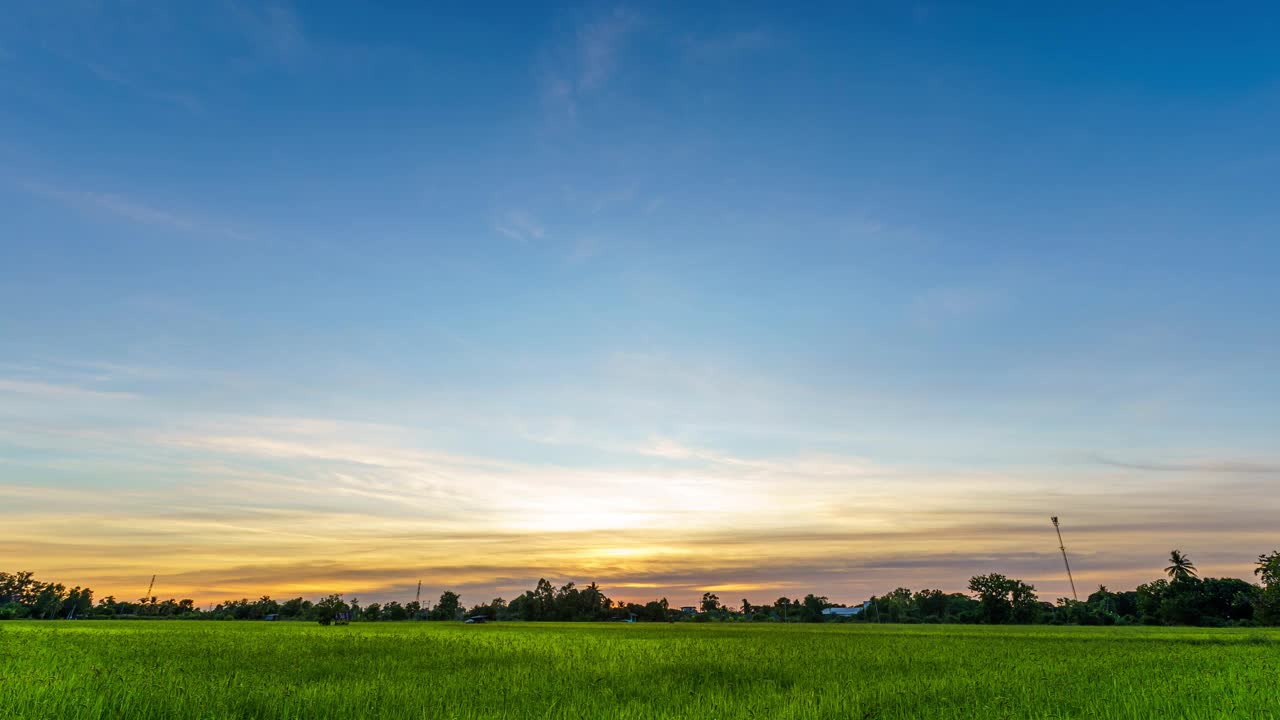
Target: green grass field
{"x":71,"y":670}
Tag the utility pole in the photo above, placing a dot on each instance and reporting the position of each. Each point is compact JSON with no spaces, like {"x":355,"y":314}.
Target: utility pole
{"x":418,"y":598}
{"x":1063,"y":548}
{"x":147,"y":599}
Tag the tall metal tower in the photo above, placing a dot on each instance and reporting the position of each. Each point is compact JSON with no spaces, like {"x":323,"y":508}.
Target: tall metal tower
{"x":1063,"y":548}
{"x":418,"y":598}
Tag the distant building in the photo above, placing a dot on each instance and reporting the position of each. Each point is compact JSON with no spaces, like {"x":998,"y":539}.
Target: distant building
{"x":272,"y":616}
{"x":846,"y":612}
{"x":689,"y":610}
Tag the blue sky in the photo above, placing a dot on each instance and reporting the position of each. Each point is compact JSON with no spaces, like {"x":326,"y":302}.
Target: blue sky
{"x":739,"y":297}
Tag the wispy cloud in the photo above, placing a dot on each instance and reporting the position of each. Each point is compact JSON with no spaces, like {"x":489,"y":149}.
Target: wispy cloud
{"x":274,"y":28}
{"x":584,"y":62}
{"x":114,"y":204}
{"x":1218,"y":465}
{"x":806,"y":466}
{"x":129,"y":209}
{"x":183,"y":100}
{"x":599,"y":43}
{"x":664,"y":513}
{"x":584,"y":249}
{"x":938,"y":307}
{"x":57,"y":391}
{"x":728,"y":45}
{"x":519,"y":225}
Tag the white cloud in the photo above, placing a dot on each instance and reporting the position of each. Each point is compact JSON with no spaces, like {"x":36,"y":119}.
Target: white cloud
{"x":599,"y":43}
{"x":183,"y":100}
{"x":806,"y":466}
{"x":129,"y":209}
{"x":942,"y":305}
{"x":584,"y":249}
{"x":1211,"y":465}
{"x":56,"y":391}
{"x":218,"y":485}
{"x":274,"y":28}
{"x":585,"y":63}
{"x":519,"y":225}
{"x":729,"y":45}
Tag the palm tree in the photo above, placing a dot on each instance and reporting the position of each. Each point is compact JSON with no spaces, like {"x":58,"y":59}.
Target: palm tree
{"x":1180,"y":567}
{"x":1104,"y":595}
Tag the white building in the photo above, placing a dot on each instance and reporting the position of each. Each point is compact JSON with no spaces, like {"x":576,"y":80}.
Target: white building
{"x":842,"y":612}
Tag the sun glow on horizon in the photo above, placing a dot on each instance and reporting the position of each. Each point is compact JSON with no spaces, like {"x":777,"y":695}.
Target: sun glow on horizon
{"x":668,"y":298}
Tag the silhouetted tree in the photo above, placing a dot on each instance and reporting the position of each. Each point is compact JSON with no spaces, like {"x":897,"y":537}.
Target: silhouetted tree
{"x":295,"y":608}
{"x":656,"y":611}
{"x":1004,"y":599}
{"x":1180,"y":566}
{"x":785,"y":608}
{"x":448,"y":607}
{"x":812,"y":607}
{"x":329,"y":607}
{"x":1267,"y":602}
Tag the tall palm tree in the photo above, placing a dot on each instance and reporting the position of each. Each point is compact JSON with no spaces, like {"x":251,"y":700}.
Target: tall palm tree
{"x":1180,"y":566}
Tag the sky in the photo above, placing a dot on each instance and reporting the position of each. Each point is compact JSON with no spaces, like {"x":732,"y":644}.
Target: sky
{"x":743,"y":298}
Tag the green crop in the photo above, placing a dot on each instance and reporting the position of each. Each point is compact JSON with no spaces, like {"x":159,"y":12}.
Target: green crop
{"x":176,"y":669}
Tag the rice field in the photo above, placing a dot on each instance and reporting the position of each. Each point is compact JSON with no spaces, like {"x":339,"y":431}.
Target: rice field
{"x":122,"y":669}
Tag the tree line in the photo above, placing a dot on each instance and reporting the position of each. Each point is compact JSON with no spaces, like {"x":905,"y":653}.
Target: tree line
{"x":1182,"y":598}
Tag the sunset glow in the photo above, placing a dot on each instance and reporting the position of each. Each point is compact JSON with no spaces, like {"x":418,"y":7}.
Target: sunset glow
{"x":309,"y":308}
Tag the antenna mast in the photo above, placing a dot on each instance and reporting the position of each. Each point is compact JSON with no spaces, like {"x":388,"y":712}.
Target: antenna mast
{"x":418,"y":598}
{"x":147,"y":599}
{"x":1063,"y":548}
